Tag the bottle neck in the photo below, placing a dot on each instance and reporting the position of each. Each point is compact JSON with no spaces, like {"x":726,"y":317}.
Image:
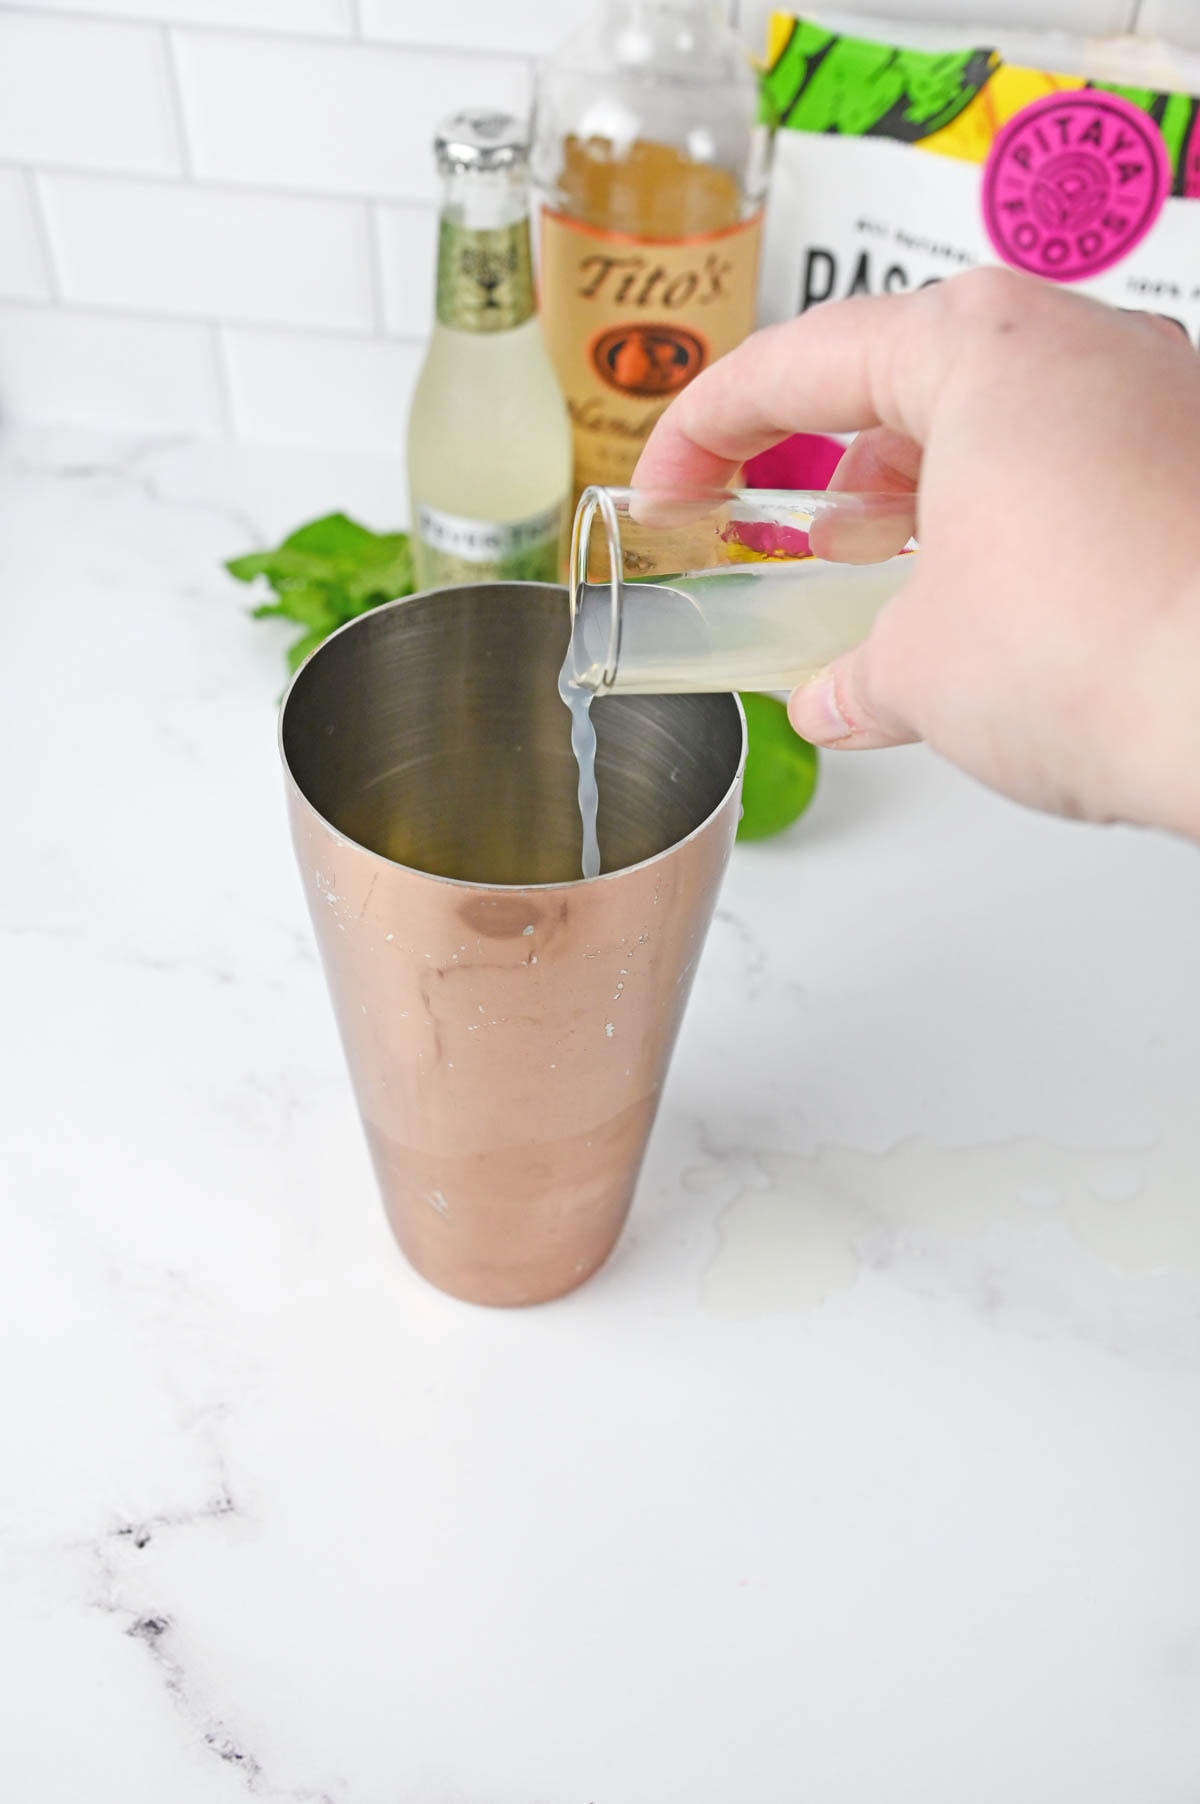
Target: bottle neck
{"x":485,"y":267}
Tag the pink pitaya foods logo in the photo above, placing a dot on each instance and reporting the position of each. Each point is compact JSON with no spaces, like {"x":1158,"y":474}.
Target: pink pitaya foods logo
{"x":1072,"y":183}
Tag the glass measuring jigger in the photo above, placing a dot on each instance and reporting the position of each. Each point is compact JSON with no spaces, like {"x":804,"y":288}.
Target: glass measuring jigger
{"x":748,"y":589}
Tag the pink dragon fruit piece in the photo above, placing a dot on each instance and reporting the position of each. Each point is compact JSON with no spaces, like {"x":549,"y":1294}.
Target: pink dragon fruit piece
{"x":807,"y":460}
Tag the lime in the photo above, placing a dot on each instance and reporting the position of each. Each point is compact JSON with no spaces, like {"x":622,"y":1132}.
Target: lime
{"x":781,"y":770}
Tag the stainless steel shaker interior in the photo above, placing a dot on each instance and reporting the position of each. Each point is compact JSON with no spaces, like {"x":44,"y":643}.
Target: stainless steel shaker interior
{"x":431,"y":732}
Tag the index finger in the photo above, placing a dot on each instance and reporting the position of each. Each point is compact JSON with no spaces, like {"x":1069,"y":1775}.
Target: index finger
{"x":871,"y":360}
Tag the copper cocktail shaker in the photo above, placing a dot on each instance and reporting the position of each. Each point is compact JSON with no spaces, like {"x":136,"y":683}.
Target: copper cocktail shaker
{"x":507,"y":1026}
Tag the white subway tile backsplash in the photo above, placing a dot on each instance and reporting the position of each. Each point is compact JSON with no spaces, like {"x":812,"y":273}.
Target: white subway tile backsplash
{"x":77,"y":92}
{"x":408,"y":265}
{"x":84,"y":369}
{"x":1176,"y":20}
{"x":298,"y":389}
{"x":23,"y":273}
{"x":515,"y":27}
{"x":323,"y":18}
{"x":331,"y":118}
{"x":158,"y":247}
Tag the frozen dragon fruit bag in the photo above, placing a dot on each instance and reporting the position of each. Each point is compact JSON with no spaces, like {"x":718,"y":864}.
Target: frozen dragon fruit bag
{"x":897,"y":166}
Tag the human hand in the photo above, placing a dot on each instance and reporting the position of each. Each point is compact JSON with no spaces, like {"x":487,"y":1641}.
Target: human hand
{"x":1048,"y":639}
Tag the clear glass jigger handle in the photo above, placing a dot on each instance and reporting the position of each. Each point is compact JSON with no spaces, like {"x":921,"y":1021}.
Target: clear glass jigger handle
{"x":747,"y":589}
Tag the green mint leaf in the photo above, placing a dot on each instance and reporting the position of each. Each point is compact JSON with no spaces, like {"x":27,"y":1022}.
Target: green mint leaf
{"x":386,"y":574}
{"x":284,"y":566}
{"x":334,"y":536}
{"x":308,"y":604}
{"x":254,"y":563}
{"x":325,"y":573}
{"x":334,"y":550}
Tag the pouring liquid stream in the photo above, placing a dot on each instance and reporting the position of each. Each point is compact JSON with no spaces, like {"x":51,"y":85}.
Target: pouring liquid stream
{"x":583,"y":744}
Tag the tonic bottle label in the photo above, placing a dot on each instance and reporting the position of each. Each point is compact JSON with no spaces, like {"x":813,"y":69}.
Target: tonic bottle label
{"x":484,"y":277}
{"x":457,"y":550}
{"x":629,"y":321}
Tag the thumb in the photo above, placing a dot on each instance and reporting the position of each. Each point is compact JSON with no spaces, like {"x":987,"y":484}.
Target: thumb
{"x":835,"y":708}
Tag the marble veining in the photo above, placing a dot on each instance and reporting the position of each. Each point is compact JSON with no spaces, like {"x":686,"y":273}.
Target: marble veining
{"x":164,"y":1643}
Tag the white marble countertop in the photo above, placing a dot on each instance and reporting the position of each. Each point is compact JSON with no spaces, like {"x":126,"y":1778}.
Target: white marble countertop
{"x":867,"y":1472}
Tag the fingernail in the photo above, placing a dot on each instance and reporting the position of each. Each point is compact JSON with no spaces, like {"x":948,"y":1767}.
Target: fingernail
{"x":815,"y":714}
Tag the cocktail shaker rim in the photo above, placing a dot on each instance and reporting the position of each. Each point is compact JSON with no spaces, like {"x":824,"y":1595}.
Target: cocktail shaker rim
{"x":463,"y":883}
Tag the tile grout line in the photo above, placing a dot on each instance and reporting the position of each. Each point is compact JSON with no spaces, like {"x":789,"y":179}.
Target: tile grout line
{"x":356,"y":24}
{"x":375,"y":267}
{"x":286,"y":329}
{"x":334,"y":39}
{"x":45,"y":238}
{"x":225,"y":395}
{"x":179,"y":111}
{"x":334,"y":198}
{"x":115,"y":16}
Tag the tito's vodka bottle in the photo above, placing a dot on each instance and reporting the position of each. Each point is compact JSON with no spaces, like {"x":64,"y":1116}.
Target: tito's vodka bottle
{"x":489,"y":453}
{"x":651,"y":168}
